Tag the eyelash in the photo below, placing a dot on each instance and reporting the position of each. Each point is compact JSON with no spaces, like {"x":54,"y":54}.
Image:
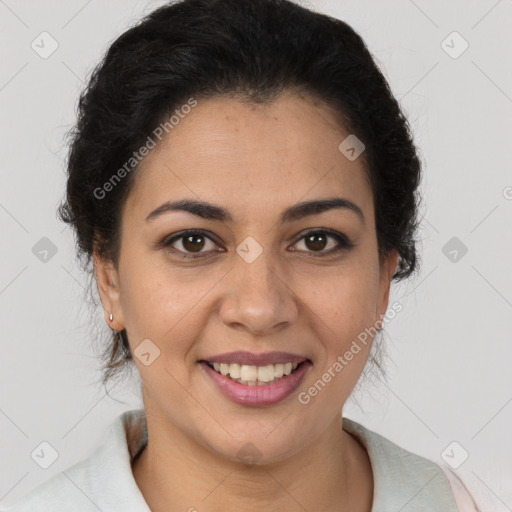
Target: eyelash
{"x":343,"y":242}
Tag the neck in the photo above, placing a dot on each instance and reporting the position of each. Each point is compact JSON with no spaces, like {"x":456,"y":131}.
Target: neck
{"x":175,"y":473}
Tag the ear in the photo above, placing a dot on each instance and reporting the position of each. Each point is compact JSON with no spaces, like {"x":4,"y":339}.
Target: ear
{"x":107,"y":280}
{"x":387,"y":269}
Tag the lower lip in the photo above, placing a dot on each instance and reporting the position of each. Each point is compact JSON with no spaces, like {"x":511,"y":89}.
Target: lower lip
{"x":258,"y":396}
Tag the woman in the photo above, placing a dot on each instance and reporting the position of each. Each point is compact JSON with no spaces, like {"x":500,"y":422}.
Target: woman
{"x":243,"y":185}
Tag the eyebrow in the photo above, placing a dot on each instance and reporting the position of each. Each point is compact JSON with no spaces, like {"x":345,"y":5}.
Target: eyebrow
{"x":296,"y":212}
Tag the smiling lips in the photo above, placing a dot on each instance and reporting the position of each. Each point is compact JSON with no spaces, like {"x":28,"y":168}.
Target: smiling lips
{"x":255,"y":369}
{"x":256,"y":379}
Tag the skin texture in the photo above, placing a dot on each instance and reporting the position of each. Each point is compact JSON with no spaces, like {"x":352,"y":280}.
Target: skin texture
{"x":254,"y":161}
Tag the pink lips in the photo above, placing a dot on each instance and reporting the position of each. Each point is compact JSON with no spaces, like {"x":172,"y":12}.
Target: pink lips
{"x":258,"y":396}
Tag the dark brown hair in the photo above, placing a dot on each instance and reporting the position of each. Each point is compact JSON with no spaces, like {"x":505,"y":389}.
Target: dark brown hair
{"x":253,"y":49}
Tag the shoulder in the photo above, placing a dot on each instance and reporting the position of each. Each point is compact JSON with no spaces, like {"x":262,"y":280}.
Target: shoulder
{"x":58,"y":493}
{"x":404,"y":478}
{"x":104,"y":481}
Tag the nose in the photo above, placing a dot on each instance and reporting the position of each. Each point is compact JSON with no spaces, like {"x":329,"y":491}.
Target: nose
{"x":258,"y":297}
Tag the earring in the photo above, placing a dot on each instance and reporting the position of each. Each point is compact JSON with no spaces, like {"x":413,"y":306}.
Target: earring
{"x":111,"y":317}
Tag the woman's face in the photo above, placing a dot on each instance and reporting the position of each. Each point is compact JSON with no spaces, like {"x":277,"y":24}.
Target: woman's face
{"x":260,"y":276}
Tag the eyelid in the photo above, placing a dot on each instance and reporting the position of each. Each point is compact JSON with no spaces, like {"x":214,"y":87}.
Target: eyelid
{"x":342,"y":240}
{"x":326,"y":231}
{"x":169,"y":240}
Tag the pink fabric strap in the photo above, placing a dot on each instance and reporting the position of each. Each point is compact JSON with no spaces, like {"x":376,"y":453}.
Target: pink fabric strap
{"x":465,"y":502}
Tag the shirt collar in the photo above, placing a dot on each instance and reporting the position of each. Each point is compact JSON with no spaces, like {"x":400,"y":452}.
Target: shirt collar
{"x":399,"y":476}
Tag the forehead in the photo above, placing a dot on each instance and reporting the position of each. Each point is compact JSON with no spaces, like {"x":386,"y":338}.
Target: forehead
{"x":251,"y":156}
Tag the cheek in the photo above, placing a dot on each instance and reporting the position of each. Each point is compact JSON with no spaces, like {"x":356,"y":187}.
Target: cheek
{"x":342,"y":322}
{"x":343,"y":299}
{"x":343,"y":329}
{"x":161,"y":305}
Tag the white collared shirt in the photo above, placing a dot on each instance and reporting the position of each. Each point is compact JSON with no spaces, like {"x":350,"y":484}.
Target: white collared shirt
{"x":104,"y":482}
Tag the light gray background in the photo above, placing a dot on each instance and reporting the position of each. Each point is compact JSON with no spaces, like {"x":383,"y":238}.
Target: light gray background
{"x":450,"y":348}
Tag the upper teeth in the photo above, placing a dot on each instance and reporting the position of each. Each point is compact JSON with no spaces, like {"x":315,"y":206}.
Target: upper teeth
{"x":250,"y":373}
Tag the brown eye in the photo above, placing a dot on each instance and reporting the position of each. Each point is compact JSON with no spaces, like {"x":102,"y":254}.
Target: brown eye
{"x":316,"y":241}
{"x":191,"y":244}
{"x":324,"y":242}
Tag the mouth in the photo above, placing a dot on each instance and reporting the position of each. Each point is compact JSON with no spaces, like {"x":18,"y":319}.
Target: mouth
{"x":252,"y":375}
{"x":256,"y":385}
